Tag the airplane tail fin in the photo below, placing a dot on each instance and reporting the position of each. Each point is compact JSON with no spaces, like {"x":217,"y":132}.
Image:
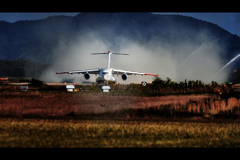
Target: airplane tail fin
{"x":109,"y":53}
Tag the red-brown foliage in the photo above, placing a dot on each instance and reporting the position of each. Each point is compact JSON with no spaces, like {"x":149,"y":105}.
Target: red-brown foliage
{"x":60,"y":104}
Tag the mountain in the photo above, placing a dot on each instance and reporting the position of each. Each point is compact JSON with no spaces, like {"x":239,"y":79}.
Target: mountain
{"x":36,"y":39}
{"x":44,"y":40}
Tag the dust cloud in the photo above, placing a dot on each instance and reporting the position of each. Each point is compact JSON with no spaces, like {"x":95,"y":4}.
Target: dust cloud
{"x":183,"y":60}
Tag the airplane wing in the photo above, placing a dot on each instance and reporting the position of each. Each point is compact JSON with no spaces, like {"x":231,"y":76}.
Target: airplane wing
{"x":117,"y":71}
{"x":90,"y":71}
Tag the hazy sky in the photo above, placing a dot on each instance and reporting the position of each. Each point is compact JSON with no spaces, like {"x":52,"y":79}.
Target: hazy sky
{"x":229,"y":21}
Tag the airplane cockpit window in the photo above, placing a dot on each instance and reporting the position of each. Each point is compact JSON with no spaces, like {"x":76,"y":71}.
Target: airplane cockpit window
{"x":105,"y":72}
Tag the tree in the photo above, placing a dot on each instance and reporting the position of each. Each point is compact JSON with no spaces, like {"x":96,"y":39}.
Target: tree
{"x":229,"y":85}
{"x":36,"y":82}
{"x":214,"y":84}
{"x":181,"y":86}
{"x":190,"y":84}
{"x":158,"y":83}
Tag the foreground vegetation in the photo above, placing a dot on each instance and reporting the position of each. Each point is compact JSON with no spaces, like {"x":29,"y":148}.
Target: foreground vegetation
{"x":107,"y":133}
{"x":45,"y":105}
{"x":42,"y":118}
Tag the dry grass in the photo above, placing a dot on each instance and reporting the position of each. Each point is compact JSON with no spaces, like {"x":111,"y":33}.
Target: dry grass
{"x":53,"y":104}
{"x":59,"y":104}
{"x":106,"y":133}
{"x":23,"y":132}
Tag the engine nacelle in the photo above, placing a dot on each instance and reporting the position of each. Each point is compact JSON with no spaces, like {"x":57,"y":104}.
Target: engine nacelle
{"x":124,"y":77}
{"x":86,"y":76}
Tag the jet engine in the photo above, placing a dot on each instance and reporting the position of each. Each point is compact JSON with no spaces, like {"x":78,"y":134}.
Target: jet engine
{"x":86,"y":76}
{"x":124,"y":76}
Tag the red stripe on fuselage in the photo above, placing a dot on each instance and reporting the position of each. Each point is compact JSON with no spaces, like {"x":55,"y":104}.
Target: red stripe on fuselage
{"x":150,"y":74}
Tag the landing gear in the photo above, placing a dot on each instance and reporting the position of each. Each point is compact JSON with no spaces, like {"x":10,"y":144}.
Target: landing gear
{"x":100,"y":81}
{"x":106,"y":82}
{"x":144,"y":83}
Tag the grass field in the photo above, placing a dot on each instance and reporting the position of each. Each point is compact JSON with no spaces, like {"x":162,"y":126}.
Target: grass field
{"x":58,"y":104}
{"x":46,"y":119}
{"x":107,"y":133}
{"x":37,"y":104}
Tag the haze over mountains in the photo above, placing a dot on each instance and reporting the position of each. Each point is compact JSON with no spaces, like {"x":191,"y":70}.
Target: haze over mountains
{"x":172,"y":46}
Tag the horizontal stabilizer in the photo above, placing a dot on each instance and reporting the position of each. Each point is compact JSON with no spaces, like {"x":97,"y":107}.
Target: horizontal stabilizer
{"x":111,"y":53}
{"x":120,"y":53}
{"x":98,"y":53}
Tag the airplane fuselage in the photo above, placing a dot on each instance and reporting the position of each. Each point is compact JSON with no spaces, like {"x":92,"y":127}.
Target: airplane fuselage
{"x":106,"y":74}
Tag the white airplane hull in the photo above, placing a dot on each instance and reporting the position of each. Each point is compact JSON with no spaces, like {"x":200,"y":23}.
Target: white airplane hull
{"x":106,"y":74}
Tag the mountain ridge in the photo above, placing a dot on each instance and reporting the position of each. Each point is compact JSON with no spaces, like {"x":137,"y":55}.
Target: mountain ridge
{"x":180,"y":47}
{"x":35,"y":39}
{"x":13,"y":36}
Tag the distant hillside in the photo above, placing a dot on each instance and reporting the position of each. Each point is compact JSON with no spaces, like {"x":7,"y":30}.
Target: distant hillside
{"x":21,"y":68}
{"x":36,"y":39}
{"x":40,"y":40}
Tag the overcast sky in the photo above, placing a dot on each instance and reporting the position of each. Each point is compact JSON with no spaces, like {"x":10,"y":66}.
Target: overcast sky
{"x":229,"y":21}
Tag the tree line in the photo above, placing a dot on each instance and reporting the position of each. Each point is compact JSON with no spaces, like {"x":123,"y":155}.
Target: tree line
{"x":160,"y":86}
{"x":21,"y":68}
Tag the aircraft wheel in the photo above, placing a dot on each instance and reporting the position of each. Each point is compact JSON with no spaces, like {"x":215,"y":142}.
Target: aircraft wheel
{"x":144,"y":83}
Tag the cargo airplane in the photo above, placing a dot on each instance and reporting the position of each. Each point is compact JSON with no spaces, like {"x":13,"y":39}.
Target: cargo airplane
{"x":106,"y":74}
